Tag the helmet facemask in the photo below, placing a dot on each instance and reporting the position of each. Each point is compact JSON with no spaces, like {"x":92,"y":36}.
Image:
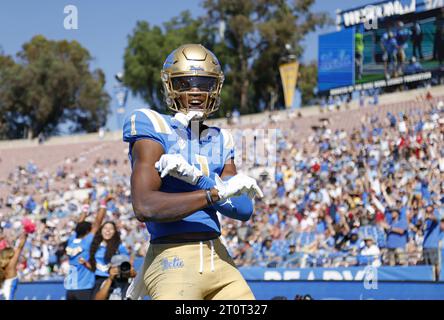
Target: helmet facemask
{"x":180,"y":91}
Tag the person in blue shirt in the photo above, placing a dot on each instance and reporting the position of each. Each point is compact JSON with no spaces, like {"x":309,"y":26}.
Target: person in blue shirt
{"x":268,"y":254}
{"x":281,"y":190}
{"x":293,"y":257}
{"x":431,"y":239}
{"x":30,"y":205}
{"x":80,"y":280}
{"x":396,"y":238}
{"x":392,"y":119}
{"x":105,"y":244}
{"x":375,"y":98}
{"x":413,"y":67}
{"x":183,"y":173}
{"x":389,"y":47}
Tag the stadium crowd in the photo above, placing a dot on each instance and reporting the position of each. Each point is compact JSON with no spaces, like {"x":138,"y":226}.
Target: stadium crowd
{"x":371,"y":192}
{"x":37,"y":194}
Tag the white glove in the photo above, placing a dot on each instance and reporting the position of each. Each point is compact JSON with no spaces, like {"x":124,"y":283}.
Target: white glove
{"x":237,"y":185}
{"x":184,"y":119}
{"x":176,"y":166}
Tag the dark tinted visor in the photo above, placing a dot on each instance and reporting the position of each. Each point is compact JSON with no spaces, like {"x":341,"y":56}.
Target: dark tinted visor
{"x":206,"y":84}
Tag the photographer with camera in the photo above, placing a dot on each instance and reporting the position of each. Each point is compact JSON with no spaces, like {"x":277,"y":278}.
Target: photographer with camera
{"x":105,"y":245}
{"x":120,"y":276}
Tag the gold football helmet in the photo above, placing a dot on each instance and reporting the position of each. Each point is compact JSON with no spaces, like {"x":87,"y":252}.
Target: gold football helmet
{"x":188,"y":72}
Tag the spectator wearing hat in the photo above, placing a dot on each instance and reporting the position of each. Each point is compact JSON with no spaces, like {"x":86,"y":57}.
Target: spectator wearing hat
{"x":293,"y":257}
{"x":370,"y":253}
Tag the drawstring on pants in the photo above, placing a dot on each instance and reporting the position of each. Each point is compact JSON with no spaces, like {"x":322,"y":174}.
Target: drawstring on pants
{"x":201,"y":256}
{"x":212,"y":256}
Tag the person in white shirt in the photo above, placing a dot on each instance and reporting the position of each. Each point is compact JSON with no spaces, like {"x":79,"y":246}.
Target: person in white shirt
{"x":370,"y":250}
{"x":402,"y":127}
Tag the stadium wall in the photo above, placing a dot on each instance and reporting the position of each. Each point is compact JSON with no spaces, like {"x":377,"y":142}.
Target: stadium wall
{"x":353,"y":283}
{"x":266,"y":290}
{"x":348,"y":290}
{"x":387,"y":98}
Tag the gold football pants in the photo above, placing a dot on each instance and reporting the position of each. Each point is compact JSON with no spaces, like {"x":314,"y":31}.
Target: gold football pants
{"x":193,"y":271}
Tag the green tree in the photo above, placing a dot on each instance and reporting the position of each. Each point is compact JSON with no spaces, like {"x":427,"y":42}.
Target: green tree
{"x":307,"y":81}
{"x":250,"y":49}
{"x":9,"y":126}
{"x":49,"y":84}
{"x":256,"y":36}
{"x":148,"y":47}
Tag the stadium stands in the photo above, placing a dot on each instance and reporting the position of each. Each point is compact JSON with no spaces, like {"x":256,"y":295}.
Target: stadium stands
{"x":336,"y":179}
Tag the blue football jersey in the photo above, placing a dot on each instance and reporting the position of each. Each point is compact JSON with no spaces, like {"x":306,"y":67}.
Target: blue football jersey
{"x":209,"y":152}
{"x":402,"y":37}
{"x":79,"y":277}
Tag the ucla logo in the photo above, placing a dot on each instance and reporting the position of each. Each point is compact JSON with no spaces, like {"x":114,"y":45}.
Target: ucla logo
{"x":196,"y":68}
{"x":174,"y":263}
{"x":169,"y":60}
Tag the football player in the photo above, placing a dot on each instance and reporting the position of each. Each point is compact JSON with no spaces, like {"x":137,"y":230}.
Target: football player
{"x":183,"y":173}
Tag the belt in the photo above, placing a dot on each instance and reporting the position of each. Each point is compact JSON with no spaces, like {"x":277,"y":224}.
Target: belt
{"x":178,"y":238}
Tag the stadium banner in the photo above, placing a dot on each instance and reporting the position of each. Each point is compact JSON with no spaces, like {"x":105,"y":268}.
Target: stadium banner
{"x":348,"y":290}
{"x":383,"y":83}
{"x":336,"y":59}
{"x":384,"y":273}
{"x":289,"y":77}
{"x":40,"y":290}
{"x":266,"y":290}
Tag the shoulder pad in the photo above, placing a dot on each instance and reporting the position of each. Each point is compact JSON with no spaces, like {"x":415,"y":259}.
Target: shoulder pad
{"x":145,"y":123}
{"x":158,"y":121}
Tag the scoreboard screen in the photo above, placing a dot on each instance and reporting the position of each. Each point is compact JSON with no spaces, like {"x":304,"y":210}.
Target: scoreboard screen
{"x":401,"y":49}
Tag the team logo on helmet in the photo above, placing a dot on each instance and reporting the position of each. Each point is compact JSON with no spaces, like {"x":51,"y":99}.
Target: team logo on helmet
{"x":189,"y":67}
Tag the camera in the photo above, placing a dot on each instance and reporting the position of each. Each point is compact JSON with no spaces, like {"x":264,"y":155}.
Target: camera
{"x":123,"y":264}
{"x":124,"y":270}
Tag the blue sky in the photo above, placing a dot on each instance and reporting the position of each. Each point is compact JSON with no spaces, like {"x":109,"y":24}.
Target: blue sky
{"x":105,"y":25}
